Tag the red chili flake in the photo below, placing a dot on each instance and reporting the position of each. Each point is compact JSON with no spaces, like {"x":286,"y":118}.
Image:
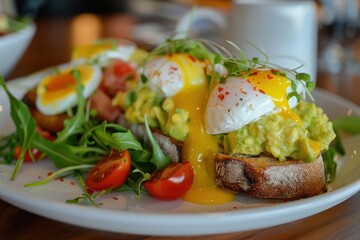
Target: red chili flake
{"x":255,"y":88}
{"x":170,"y":54}
{"x":227,"y":93}
{"x":49,"y":173}
{"x":60,"y":179}
{"x":262,"y":91}
{"x":192,"y":58}
{"x":115,"y":198}
{"x":242,"y":90}
{"x":255,"y":73}
{"x":220,"y":89}
{"x":221,"y":96}
{"x":72,"y":183}
{"x":269,"y":76}
{"x":173,"y":68}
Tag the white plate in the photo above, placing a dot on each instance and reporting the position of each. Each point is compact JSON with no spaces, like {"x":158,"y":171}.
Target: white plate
{"x":122,"y":212}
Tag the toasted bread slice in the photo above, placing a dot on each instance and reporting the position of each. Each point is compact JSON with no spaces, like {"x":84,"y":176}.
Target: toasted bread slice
{"x":266,"y":177}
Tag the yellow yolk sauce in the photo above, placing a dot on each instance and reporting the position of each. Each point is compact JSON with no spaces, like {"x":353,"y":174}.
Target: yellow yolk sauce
{"x":275,"y":87}
{"x":59,"y":85}
{"x":199,"y":147}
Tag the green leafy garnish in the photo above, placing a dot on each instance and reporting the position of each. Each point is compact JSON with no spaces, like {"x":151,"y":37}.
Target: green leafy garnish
{"x":158,"y":158}
{"x":25,"y":131}
{"x":348,"y":124}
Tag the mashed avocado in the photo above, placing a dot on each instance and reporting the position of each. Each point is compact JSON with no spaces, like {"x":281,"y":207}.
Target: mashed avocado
{"x":282,"y":137}
{"x":161,"y":112}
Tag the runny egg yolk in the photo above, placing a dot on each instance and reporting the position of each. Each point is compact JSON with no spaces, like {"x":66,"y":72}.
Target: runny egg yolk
{"x":275,"y":87}
{"x":199,"y":147}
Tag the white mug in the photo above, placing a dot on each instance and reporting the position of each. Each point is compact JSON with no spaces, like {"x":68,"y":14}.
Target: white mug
{"x":285,"y":30}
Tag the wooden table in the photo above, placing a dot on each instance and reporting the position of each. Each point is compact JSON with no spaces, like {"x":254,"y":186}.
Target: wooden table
{"x":52,"y":45}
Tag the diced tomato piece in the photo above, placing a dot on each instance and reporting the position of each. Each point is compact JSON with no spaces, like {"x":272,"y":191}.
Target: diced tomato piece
{"x":115,"y":77}
{"x":101,"y":102}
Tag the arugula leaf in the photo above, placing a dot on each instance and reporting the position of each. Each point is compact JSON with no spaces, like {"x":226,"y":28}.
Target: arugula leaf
{"x":61,"y":154}
{"x":25,"y":125}
{"x":348,"y":124}
{"x":74,"y":125}
{"x":158,"y":158}
{"x":58,"y":173}
{"x":118,"y":140}
{"x":329,"y":164}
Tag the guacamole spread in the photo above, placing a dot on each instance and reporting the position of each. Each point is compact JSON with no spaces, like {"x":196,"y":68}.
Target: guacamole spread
{"x":283,"y":137}
{"x":160,"y":112}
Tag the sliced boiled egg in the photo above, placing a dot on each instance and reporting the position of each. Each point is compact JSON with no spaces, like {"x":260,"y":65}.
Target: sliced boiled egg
{"x":103,"y":51}
{"x":182,"y":77}
{"x":241,"y":100}
{"x":57,"y":92}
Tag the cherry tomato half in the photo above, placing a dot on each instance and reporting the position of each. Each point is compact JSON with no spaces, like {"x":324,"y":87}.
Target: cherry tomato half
{"x":35,"y":152}
{"x":110,"y":172}
{"x":171,"y":182}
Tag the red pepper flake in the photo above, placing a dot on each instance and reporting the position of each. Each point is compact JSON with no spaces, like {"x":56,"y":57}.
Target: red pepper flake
{"x":220,"y":89}
{"x":269,"y":76}
{"x":227,"y":93}
{"x":255,"y":88}
{"x":72,"y":183}
{"x":115,"y":198}
{"x":255,"y":73}
{"x":59,"y":179}
{"x":49,"y":173}
{"x":221,"y":96}
{"x":170,"y":54}
{"x":172,"y":68}
{"x":262,"y":91}
{"x":192,"y":58}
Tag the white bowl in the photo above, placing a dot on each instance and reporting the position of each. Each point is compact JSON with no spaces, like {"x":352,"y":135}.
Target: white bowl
{"x":12,"y":47}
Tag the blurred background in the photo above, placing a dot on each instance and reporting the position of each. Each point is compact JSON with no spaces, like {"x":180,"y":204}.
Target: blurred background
{"x":148,"y":22}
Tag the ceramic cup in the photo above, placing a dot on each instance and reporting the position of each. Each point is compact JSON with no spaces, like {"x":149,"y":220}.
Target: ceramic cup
{"x":283,"y":29}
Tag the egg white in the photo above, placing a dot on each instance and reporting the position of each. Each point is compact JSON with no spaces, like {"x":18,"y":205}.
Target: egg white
{"x":233,"y":104}
{"x":164,"y":76}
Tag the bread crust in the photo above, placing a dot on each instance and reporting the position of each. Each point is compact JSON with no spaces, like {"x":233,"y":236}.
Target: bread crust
{"x":266,"y":177}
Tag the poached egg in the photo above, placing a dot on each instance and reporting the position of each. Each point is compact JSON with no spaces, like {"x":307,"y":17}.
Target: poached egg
{"x":182,"y":77}
{"x":240,"y":100}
